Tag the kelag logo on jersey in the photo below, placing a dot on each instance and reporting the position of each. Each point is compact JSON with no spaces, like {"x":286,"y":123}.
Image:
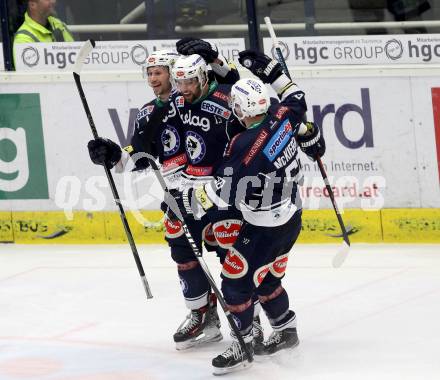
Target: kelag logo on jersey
{"x":216,"y":109}
{"x":196,"y":121}
{"x":278,"y":140}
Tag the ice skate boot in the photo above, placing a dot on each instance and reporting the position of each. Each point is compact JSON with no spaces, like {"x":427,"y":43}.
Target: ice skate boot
{"x":233,"y":359}
{"x":200,"y":326}
{"x":280,"y":340}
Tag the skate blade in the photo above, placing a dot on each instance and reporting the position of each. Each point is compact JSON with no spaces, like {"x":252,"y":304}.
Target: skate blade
{"x":238,"y":367}
{"x":201,"y":339}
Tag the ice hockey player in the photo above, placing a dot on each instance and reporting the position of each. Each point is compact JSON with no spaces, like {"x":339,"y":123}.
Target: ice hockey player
{"x":158,"y":132}
{"x":200,"y":104}
{"x":203,"y":106}
{"x":157,"y":128}
{"x":259,"y":179}
{"x":208,"y":125}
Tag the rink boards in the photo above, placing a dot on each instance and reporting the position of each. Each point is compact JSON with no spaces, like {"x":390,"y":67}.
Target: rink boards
{"x":382,"y":128}
{"x":319,"y":226}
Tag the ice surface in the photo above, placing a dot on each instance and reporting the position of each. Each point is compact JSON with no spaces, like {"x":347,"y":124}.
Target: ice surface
{"x":80,"y":313}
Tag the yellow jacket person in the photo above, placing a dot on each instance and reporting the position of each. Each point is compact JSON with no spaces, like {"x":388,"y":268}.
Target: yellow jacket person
{"x":40,"y":25}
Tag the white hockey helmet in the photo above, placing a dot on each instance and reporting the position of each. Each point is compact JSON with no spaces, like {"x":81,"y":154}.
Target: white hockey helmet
{"x":165,"y":58}
{"x":250,"y":97}
{"x":191,"y":66}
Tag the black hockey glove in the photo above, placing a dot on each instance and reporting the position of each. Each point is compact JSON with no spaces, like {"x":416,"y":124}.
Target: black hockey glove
{"x":190,"y":45}
{"x":312,"y":143}
{"x":262,"y":66}
{"x":103,"y":151}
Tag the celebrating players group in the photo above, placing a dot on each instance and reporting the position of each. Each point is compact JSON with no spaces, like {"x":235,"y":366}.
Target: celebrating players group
{"x":229,"y":155}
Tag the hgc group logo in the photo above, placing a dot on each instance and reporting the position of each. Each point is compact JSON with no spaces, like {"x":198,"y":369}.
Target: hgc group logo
{"x":358,"y":50}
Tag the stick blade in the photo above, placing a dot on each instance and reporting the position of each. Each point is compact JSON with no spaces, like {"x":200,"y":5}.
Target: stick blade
{"x":342,"y":254}
{"x":82,"y":55}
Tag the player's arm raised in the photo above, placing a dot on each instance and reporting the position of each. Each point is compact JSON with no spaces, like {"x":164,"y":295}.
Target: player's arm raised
{"x":310,"y":137}
{"x":225,"y":72}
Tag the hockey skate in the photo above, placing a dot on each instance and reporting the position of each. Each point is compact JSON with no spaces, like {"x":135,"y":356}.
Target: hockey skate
{"x":279,"y":340}
{"x":200,"y":326}
{"x":258,"y":334}
{"x":233,"y":359}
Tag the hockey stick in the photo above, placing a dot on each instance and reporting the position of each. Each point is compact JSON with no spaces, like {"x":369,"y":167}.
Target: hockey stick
{"x":82,"y":55}
{"x":342,"y":254}
{"x":172,"y":203}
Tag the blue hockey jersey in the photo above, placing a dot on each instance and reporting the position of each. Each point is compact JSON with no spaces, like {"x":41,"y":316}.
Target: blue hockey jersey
{"x":208,"y":126}
{"x":261,"y":169}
